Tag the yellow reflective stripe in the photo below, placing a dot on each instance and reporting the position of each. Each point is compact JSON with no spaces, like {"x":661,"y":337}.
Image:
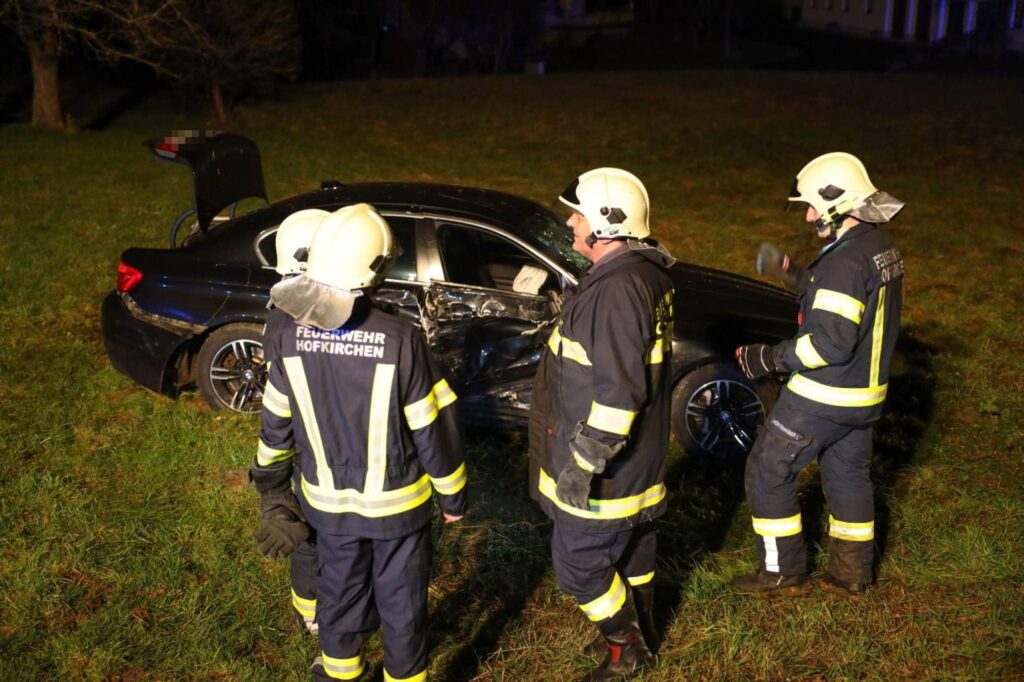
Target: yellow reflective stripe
{"x":342,"y":668}
{"x":611,"y":419}
{"x":656,"y":353}
{"x":617,"y":508}
{"x":305,"y":607}
{"x":609,"y":603}
{"x":876,"y":338}
{"x":377,"y":432}
{"x":567,"y":348}
{"x":452,"y":483}
{"x":855,"y":532}
{"x":265,"y":455}
{"x":778,"y":528}
{"x":806,"y":352}
{"x":370,"y":505}
{"x":419,"y":677}
{"x":297,"y":377}
{"x":276,"y":401}
{"x":423,"y":412}
{"x":583,"y":464}
{"x":641,"y":579}
{"x":840,"y":304}
{"x":839,"y":397}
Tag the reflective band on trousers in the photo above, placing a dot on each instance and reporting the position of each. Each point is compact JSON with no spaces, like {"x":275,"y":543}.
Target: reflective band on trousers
{"x":609,"y":603}
{"x":376,"y":505}
{"x":567,"y":348}
{"x":452,"y":483}
{"x":418,"y":677}
{"x":611,"y":419}
{"x":276,"y":401}
{"x":618,"y":508}
{"x":855,"y":532}
{"x":265,"y":455}
{"x":807,"y":353}
{"x":306,"y":607}
{"x":641,"y":579}
{"x":342,"y":668}
{"x":423,"y":412}
{"x":840,"y":304}
{"x":840,"y":397}
{"x":778,"y":528}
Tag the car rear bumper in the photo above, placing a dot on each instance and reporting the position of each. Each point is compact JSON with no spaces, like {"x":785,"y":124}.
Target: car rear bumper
{"x":137,"y":349}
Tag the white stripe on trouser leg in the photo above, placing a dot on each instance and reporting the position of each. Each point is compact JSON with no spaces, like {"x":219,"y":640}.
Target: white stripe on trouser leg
{"x":771,"y":555}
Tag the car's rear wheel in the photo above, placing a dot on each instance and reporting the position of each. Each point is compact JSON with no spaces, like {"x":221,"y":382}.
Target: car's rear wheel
{"x":716,"y":411}
{"x":230,"y":368}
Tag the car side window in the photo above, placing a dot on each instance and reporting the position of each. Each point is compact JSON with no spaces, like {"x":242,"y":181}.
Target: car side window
{"x":477,"y":258}
{"x":404,"y":230}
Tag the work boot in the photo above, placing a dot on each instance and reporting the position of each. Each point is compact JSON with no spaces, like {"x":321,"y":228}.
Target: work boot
{"x":626,"y":650}
{"x":305,"y":625}
{"x":643,"y":600}
{"x":842,"y":587}
{"x":765,"y":583}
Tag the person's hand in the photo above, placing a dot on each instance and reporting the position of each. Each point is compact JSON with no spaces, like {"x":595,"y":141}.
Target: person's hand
{"x":282,"y":525}
{"x":771,"y":261}
{"x":756,"y":360}
{"x":573,"y":487}
{"x":451,"y":518}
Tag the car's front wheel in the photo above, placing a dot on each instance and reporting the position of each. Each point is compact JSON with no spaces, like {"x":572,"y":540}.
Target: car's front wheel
{"x":716,"y":411}
{"x":230,"y":368}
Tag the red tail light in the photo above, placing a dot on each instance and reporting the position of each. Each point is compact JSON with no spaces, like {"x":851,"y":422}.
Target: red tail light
{"x":127,"y":277}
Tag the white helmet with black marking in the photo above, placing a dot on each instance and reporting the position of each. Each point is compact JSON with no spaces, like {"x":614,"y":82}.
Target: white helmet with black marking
{"x":613,"y":201}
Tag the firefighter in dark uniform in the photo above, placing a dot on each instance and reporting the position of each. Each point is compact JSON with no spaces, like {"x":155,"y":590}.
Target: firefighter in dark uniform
{"x":599,"y":426}
{"x":850,"y":300}
{"x":354,"y":394}
{"x":292,"y":241}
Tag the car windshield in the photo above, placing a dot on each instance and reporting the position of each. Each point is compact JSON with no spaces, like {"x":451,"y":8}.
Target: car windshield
{"x":554,"y":238}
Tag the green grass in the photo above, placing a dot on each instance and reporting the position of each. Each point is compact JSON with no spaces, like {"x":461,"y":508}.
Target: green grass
{"x":125,"y":537}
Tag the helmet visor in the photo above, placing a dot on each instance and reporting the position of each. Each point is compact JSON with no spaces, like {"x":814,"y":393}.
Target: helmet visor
{"x":569,"y":195}
{"x":793,"y":202}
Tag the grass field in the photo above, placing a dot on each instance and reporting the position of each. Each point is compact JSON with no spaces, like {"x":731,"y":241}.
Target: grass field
{"x":125,"y":531}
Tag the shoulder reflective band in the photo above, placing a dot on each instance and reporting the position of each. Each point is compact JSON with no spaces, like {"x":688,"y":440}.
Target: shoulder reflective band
{"x":840,"y":304}
{"x":609,"y":603}
{"x":641,"y":579}
{"x":807,"y":354}
{"x":265,"y":456}
{"x":305,"y":607}
{"x":297,"y":377}
{"x":778,"y":528}
{"x":377,"y":433}
{"x":276,"y":402}
{"x":855,"y":532}
{"x":452,"y":483}
{"x":342,"y":668}
{"x":876,"y":338}
{"x":617,"y":508}
{"x":611,"y":419}
{"x":839,"y":397}
{"x":423,"y":412}
{"x":418,"y":677}
{"x":374,"y":506}
{"x":572,"y":350}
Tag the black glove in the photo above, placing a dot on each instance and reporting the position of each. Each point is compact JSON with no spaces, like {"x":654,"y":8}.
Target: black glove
{"x":756,"y":360}
{"x":595,"y":453}
{"x":771,"y":261}
{"x":573,"y":487}
{"x":282,"y":525}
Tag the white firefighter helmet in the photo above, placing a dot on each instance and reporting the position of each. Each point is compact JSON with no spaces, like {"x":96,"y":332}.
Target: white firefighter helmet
{"x":613,"y":201}
{"x":293,"y":236}
{"x":352,"y":249}
{"x":837,"y":185}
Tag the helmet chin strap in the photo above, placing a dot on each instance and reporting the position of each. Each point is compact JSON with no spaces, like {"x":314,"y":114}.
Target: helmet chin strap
{"x":590,"y":240}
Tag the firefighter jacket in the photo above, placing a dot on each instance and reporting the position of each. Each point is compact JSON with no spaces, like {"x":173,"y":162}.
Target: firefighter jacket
{"x":849,"y":320}
{"x":607,"y":366}
{"x":365,"y":411}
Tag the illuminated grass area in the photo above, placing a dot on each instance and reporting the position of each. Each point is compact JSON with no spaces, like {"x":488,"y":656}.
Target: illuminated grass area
{"x":125,"y":531}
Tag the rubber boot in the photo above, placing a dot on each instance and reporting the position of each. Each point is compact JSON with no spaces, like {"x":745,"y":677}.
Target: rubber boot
{"x":764,"y":583}
{"x":643,"y":601}
{"x":849,"y":566}
{"x":627,"y":652}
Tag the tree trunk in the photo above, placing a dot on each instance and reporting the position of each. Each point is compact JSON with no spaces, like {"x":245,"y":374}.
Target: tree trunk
{"x":43,"y":54}
{"x":218,"y":102}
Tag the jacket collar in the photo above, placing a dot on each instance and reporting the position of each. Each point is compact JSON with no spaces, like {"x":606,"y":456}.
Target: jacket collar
{"x":854,"y":232}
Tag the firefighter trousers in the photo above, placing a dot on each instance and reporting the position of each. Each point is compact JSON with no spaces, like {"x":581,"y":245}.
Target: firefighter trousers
{"x":790,"y":440}
{"x":367,"y":583}
{"x":598,"y":568}
{"x":303,"y":579}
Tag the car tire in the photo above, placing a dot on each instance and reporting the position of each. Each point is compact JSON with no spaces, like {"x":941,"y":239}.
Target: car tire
{"x":230,"y":370}
{"x":716,"y":411}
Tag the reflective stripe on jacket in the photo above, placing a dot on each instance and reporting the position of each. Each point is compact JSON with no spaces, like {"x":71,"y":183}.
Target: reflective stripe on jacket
{"x":608,"y":365}
{"x":368,"y":414}
{"x":850,"y":318}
